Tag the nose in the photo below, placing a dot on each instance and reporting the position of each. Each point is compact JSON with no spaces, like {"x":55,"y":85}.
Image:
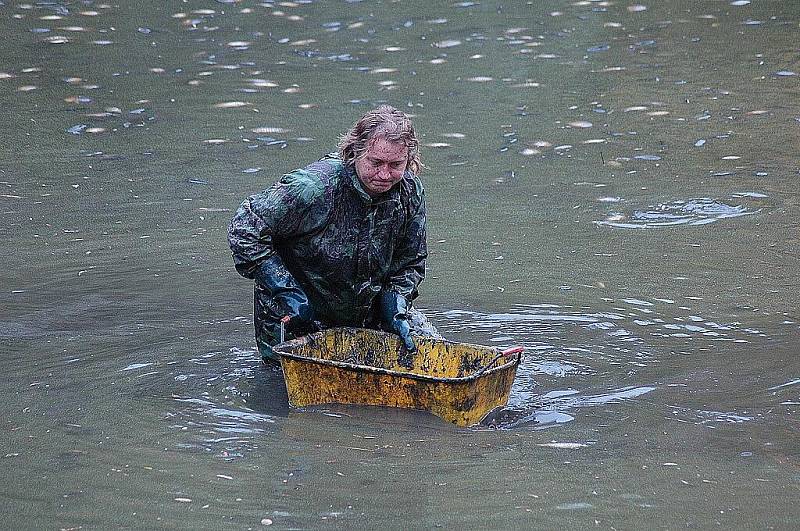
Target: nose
{"x":383,"y":172}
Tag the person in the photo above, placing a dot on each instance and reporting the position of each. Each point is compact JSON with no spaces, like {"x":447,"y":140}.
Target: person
{"x":341,"y":242}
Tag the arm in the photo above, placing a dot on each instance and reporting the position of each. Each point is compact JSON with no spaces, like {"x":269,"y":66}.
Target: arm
{"x":279,"y":212}
{"x":407,"y":270}
{"x":408,"y":261}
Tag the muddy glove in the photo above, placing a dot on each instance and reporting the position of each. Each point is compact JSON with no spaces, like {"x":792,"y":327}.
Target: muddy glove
{"x":288,"y":298}
{"x":394,"y":315}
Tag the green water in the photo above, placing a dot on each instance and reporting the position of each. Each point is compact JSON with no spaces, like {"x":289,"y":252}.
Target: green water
{"x":612,"y":185}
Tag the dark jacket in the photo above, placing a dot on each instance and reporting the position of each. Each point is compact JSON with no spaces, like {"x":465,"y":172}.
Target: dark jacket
{"x":341,"y":245}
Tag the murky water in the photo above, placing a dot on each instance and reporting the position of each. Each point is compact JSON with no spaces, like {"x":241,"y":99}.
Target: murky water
{"x":613,"y":185}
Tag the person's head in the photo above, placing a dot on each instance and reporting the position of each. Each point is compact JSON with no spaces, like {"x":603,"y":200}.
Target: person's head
{"x":381,"y":145}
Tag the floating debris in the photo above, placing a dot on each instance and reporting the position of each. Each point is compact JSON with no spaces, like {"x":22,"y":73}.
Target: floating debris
{"x":527,"y":84}
{"x":231,"y":104}
{"x":77,"y":129}
{"x":581,"y":124}
{"x":564,"y":445}
{"x":447,"y":43}
{"x":270,"y":130}
{"x":637,"y":8}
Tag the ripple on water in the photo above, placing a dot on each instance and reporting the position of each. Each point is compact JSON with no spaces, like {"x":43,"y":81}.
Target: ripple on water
{"x":576,"y":358}
{"x":700,"y":211}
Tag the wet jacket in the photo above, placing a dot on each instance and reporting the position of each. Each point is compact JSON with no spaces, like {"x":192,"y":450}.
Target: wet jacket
{"x":341,"y":245}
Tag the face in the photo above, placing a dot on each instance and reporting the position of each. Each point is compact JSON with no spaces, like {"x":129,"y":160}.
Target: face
{"x":382,"y":165}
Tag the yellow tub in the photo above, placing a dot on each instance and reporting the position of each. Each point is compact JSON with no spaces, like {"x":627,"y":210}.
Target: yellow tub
{"x":458,"y":382}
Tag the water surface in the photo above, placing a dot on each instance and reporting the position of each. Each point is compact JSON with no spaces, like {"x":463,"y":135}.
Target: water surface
{"x":611,"y":185}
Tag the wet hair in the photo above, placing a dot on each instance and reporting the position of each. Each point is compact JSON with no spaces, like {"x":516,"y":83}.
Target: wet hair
{"x":383,"y":122}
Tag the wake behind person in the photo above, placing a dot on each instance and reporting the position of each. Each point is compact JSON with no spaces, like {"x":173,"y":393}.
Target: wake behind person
{"x":341,"y":242}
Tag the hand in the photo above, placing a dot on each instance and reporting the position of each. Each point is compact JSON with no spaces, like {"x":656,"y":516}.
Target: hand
{"x":294,"y":305}
{"x":287,"y":298}
{"x":394,"y":315}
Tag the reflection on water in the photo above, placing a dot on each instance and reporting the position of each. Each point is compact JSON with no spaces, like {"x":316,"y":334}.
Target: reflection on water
{"x":575,"y":359}
{"x":574,"y":363}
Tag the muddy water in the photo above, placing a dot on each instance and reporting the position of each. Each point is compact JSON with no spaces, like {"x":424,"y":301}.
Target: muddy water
{"x":612,"y":185}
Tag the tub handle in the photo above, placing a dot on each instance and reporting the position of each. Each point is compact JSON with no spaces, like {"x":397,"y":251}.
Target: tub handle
{"x":507,"y":353}
{"x":285,"y":319}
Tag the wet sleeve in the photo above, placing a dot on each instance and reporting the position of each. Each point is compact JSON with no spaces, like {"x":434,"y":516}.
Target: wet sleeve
{"x":293,"y":206}
{"x":408,"y":261}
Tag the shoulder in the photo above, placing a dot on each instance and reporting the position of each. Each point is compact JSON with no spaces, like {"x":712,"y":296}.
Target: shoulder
{"x":328,"y":167}
{"x":311,"y":183}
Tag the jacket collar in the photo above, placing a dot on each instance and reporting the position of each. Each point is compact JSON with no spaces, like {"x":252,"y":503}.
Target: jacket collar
{"x":358,"y":186}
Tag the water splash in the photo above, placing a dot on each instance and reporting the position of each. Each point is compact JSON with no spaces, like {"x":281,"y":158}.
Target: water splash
{"x":700,"y":211}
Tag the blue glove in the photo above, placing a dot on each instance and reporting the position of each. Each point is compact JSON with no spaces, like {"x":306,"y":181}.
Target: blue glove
{"x":394,"y":316}
{"x":288,"y":298}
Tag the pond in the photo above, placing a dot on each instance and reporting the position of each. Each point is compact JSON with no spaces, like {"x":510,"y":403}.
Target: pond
{"x":612,"y":185}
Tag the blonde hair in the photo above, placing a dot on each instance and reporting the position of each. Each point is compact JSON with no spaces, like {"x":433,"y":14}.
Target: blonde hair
{"x":383,"y":122}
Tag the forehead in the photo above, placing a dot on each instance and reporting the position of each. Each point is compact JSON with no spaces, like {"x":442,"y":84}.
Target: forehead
{"x":382,"y":149}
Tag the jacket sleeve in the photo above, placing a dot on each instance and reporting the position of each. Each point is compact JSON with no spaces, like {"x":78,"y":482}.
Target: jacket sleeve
{"x":290,"y":207}
{"x":408,"y":261}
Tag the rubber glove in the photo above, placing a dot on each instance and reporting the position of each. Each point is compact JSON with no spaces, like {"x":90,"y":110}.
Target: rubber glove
{"x":394,"y":315}
{"x":289,"y":298}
